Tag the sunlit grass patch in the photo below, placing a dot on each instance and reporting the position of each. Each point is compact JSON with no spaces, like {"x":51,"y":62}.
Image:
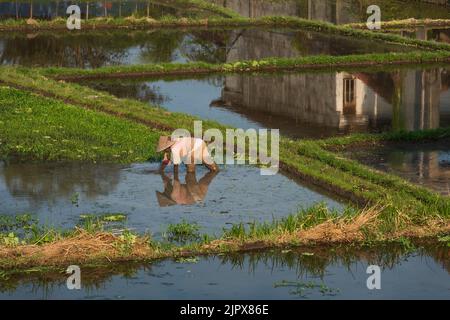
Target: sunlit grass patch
{"x":38,"y":128}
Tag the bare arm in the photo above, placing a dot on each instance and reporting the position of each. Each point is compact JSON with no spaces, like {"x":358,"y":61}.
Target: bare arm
{"x":165,"y":162}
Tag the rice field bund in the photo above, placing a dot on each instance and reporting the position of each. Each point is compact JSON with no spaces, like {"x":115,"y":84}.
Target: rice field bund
{"x":92,"y":181}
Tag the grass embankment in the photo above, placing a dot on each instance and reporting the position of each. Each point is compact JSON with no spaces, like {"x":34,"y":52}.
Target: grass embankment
{"x":312,"y":260}
{"x":424,"y":52}
{"x":403,"y":136}
{"x":305,"y":158}
{"x":37,"y":128}
{"x":152,"y":116}
{"x":401,"y":208}
{"x":264,"y":65}
{"x":313,"y":226}
{"x":406,"y":24}
{"x":206,"y":10}
{"x":268,"y":21}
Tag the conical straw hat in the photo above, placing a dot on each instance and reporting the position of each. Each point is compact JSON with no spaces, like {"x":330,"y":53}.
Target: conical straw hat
{"x":164,"y":143}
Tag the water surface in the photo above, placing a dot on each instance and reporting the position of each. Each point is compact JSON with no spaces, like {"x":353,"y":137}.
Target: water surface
{"x":289,"y":274}
{"x":304,"y":105}
{"x":93,"y":49}
{"x":427,"y":164}
{"x":58,"y":193}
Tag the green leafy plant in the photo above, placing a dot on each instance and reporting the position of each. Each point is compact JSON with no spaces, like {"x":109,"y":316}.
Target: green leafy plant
{"x":183,"y":231}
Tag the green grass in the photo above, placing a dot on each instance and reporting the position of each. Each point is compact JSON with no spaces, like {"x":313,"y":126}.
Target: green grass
{"x":153,"y":116}
{"x":420,"y":135}
{"x":303,"y":220}
{"x":183,"y":232}
{"x":37,"y":128}
{"x":267,"y":64}
{"x":237,"y":21}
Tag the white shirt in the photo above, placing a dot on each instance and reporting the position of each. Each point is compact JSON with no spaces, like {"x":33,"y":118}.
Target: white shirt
{"x":189,"y":151}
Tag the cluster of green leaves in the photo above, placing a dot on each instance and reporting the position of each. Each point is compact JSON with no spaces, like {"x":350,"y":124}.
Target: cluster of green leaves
{"x":94,"y":222}
{"x":183,"y":232}
{"x":25,"y":229}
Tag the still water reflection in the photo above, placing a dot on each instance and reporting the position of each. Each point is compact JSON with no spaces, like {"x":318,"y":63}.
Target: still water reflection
{"x":306,"y":273}
{"x":427,"y":164}
{"x":58,"y":193}
{"x":305,"y":104}
{"x":95,"y":49}
{"x":191,"y":192}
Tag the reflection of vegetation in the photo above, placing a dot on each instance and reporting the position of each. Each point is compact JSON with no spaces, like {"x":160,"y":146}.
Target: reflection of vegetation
{"x":93,"y":49}
{"x":135,"y":89}
{"x":207,"y":46}
{"x":87,"y":49}
{"x":98,"y":276}
{"x":35,"y":181}
{"x":162,"y":47}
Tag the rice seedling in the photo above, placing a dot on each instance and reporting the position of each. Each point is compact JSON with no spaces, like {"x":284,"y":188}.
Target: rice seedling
{"x":183,"y":232}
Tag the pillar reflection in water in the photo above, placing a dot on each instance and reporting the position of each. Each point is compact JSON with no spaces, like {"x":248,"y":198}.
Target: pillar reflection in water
{"x":342,"y":102}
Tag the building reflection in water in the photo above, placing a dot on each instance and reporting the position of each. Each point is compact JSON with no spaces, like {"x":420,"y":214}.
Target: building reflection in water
{"x":332,"y":103}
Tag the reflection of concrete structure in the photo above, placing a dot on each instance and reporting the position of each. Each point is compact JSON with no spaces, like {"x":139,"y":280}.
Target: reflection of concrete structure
{"x":428,"y":165}
{"x":430,"y":171}
{"x":423,"y":33}
{"x":420,"y":99}
{"x":258,"y":8}
{"x":338,"y":11}
{"x":340,"y":101}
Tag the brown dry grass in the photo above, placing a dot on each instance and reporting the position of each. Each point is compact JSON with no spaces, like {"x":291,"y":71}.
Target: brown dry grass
{"x":81,"y":248}
{"x":103,"y":247}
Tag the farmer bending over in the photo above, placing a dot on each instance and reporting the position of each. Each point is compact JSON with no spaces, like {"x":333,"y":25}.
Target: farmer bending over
{"x":188,"y":150}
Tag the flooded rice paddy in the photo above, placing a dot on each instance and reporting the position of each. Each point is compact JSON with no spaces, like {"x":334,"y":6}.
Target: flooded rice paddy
{"x":288,"y":274}
{"x":93,"y":49}
{"x":57,"y":194}
{"x":304,"y":105}
{"x":427,"y":164}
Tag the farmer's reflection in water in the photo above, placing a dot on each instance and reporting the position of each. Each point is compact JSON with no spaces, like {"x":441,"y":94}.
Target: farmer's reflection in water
{"x":191,"y":192}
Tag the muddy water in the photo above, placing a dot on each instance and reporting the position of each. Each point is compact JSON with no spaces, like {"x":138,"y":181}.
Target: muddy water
{"x":309,"y":105}
{"x":95,"y":49}
{"x":57,"y":194}
{"x":291,"y":274}
{"x":339,"y":11}
{"x":427,"y":164}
